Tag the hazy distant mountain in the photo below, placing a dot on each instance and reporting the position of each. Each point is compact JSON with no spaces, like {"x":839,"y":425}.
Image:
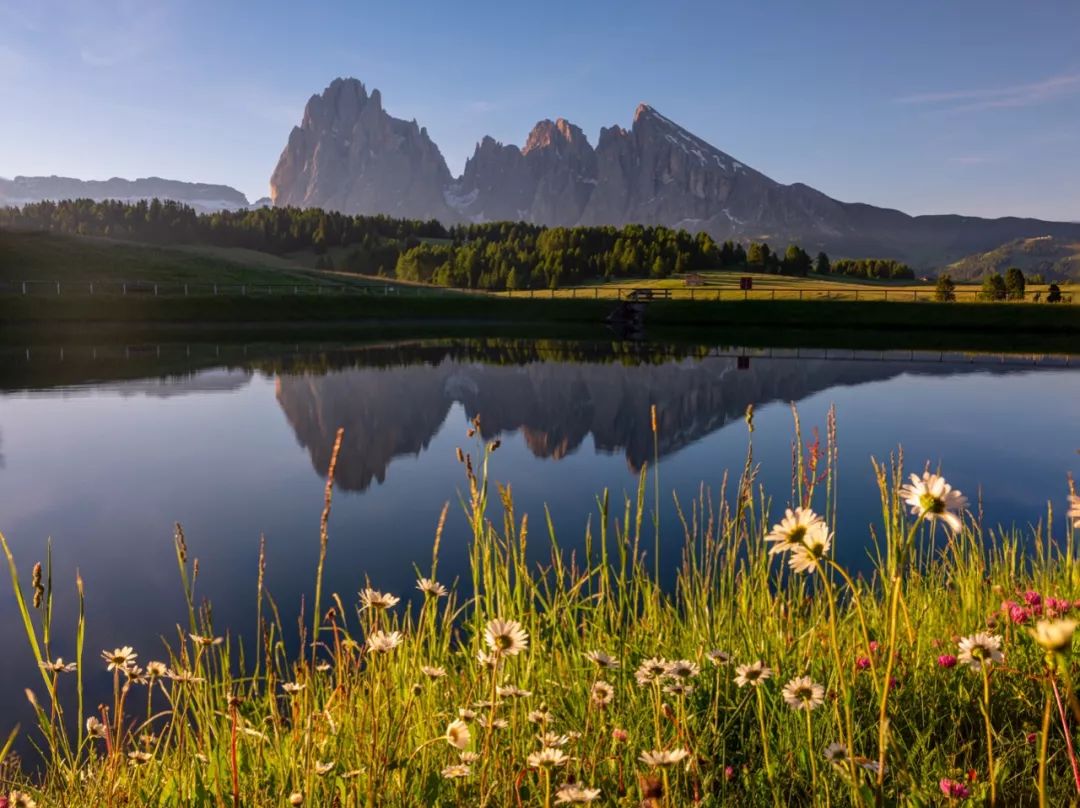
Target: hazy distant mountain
{"x":201,"y":196}
{"x":1056,"y":259}
{"x":348,"y":154}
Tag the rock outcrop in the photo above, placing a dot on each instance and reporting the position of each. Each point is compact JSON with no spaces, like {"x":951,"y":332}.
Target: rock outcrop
{"x":348,"y":154}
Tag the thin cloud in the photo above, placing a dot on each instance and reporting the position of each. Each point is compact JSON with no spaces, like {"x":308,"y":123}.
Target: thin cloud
{"x":1010,"y":97}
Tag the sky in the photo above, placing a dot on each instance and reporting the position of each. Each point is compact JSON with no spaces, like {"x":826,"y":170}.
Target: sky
{"x":963,"y":106}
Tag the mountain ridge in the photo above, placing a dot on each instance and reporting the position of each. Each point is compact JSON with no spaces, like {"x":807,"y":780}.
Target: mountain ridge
{"x":349,"y":154}
{"x":204,"y":197}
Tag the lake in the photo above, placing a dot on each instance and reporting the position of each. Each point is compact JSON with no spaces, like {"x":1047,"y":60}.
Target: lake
{"x":103,"y":449}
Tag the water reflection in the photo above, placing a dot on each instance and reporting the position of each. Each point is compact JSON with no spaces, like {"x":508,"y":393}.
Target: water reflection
{"x":390,"y":411}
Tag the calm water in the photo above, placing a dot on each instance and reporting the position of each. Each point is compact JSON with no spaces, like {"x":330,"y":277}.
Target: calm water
{"x":235,"y":447}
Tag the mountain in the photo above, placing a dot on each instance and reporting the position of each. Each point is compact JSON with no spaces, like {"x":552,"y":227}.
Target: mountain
{"x":1054,"y":258}
{"x":348,"y":154}
{"x":201,"y":196}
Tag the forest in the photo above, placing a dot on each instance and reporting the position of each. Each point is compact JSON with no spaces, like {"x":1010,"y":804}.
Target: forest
{"x":499,"y":255}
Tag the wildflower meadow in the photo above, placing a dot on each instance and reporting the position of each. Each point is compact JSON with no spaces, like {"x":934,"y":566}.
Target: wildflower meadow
{"x":765,"y":674}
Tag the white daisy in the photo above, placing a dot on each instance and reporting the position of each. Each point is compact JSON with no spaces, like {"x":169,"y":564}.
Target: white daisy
{"x":752,"y":674}
{"x":58,"y":666}
{"x":433,"y":672}
{"x":547,"y":758}
{"x":381,"y":642}
{"x":980,"y":649}
{"x":682,"y":669}
{"x":807,"y":556}
{"x":1054,"y":635}
{"x":718,"y":657}
{"x":794,"y":529}
{"x":457,"y":734}
{"x":660,"y":758}
{"x":119,"y":658}
{"x":803,"y":693}
{"x":575,"y":794}
{"x":457,"y":770}
{"x":431,"y":588}
{"x":505,"y":637}
{"x":651,"y":670}
{"x":376,"y":600}
{"x":602,"y":693}
{"x":602,"y":660}
{"x":934,"y":498}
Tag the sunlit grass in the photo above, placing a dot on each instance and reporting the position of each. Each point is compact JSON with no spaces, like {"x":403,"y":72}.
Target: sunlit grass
{"x":765,"y":674}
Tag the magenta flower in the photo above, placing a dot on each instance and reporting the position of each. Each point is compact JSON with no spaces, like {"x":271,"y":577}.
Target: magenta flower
{"x":874,"y":646}
{"x":946,"y":661}
{"x":1058,"y":605}
{"x":1031,"y":737}
{"x":729,"y":772}
{"x":954,"y":790}
{"x":1032,"y":598}
{"x":1017,"y":613}
{"x":862,"y":663}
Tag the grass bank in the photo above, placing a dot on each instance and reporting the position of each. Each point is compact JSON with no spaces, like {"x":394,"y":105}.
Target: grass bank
{"x":767,"y":676}
{"x":358,"y":309}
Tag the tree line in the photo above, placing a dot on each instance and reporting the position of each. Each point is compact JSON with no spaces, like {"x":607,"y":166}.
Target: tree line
{"x":499,"y":255}
{"x":996,"y":288}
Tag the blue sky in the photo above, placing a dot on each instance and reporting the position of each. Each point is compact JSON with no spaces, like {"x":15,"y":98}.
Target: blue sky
{"x":930,"y":107}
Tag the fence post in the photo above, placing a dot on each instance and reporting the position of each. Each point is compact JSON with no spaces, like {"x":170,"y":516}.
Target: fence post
{"x":856,"y":294}
{"x":58,"y":288}
{"x":155,"y":290}
{"x":91,"y":288}
{"x":800,"y":294}
{"x":886,"y":294}
{"x":125,"y":287}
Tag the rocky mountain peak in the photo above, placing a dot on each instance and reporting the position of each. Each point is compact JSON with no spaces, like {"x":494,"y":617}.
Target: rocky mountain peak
{"x":349,"y":154}
{"x":548,"y":133}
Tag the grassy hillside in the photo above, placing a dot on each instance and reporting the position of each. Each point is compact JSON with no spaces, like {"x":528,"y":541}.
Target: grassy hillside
{"x":30,"y":256}
{"x":1055,"y":258}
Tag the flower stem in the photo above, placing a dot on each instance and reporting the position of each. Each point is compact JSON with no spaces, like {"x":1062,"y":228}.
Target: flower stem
{"x":1044,"y":739}
{"x":989,"y":734}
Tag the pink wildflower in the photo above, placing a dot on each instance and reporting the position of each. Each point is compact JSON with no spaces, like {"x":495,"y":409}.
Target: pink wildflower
{"x":729,"y":772}
{"x":862,"y":663}
{"x":954,"y":790}
{"x":1032,"y":598}
{"x":946,"y":661}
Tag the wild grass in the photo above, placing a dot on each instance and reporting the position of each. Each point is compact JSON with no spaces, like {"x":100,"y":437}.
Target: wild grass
{"x":589,"y":678}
